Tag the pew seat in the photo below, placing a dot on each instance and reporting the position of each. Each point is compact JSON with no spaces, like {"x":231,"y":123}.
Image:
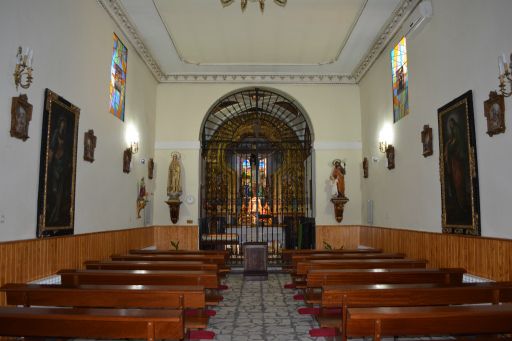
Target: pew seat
{"x":149,"y":324}
{"x":430,"y":320}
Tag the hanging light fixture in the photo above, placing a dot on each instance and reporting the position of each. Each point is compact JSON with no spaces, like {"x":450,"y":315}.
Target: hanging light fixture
{"x":243,"y":3}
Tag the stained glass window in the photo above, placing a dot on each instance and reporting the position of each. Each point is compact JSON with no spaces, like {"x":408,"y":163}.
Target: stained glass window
{"x":400,"y":80}
{"x":118,"y":78}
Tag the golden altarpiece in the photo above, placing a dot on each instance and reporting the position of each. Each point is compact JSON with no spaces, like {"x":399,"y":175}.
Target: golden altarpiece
{"x":256,"y":178}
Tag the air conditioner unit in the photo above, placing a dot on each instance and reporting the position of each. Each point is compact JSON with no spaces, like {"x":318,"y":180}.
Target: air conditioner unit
{"x":420,"y":16}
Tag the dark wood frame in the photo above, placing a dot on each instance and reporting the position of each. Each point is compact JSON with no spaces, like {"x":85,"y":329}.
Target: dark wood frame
{"x":459,"y":167}
{"x":390,"y":155}
{"x":89,"y":145}
{"x":426,"y":141}
{"x":57,"y":170}
{"x":151,"y":168}
{"x":20,"y":103}
{"x":127,"y":160}
{"x":365,"y":167}
{"x":494,"y":111}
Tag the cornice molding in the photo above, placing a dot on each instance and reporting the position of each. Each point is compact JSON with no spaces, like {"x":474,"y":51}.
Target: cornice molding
{"x":117,"y":12}
{"x":390,"y":29}
{"x":259,"y":78}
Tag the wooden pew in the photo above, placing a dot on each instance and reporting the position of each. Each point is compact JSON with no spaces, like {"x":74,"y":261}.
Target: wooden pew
{"x":215,"y":259}
{"x":112,"y":296}
{"x":104,"y":296}
{"x":286,"y":254}
{"x":141,"y":265}
{"x":307,"y":258}
{"x":225,"y":253}
{"x":304,"y":267}
{"x":447,"y":276}
{"x":75,"y":277}
{"x":149,"y":324}
{"x":430,"y":320}
{"x":392,"y":295}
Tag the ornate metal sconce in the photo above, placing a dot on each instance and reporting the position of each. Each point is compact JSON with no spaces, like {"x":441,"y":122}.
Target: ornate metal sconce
{"x":23,"y":70}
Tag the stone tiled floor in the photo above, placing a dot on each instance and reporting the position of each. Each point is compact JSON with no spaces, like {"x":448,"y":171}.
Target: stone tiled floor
{"x":264,"y":310}
{"x":260,"y":310}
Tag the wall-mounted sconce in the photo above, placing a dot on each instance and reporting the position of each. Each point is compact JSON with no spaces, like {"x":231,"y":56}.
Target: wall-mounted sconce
{"x":132,"y":138}
{"x":504,"y":68}
{"x":134,"y":146}
{"x":385,"y":137}
{"x":23,"y":70}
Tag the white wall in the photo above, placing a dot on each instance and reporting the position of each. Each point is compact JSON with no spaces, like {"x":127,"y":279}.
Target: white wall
{"x":72,"y":43}
{"x":457,"y":51}
{"x":334,"y":112}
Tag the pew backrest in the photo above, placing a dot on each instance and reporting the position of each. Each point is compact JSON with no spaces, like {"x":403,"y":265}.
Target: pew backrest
{"x":145,"y":265}
{"x":304,"y":267}
{"x":74,"y":277}
{"x":430,"y":320}
{"x":106,"y":296}
{"x":321,"y":277}
{"x":149,"y":324}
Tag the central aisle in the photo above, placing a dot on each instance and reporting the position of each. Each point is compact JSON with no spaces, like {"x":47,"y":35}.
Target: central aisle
{"x":260,"y":310}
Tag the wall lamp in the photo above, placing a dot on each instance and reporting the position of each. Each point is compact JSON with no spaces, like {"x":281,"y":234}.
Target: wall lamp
{"x":504,"y":68}
{"x":23,"y":70}
{"x":132,"y":138}
{"x":385,"y":137}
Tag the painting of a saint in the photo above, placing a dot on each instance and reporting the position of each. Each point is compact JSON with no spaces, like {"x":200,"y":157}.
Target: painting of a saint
{"x":57,"y":167}
{"x":459,"y":181}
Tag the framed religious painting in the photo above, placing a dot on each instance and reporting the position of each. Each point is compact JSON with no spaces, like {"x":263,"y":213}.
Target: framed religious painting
{"x":365,"y":167}
{"x":89,"y":145}
{"x":57,"y":170}
{"x":494,"y":109}
{"x":390,"y":156}
{"x":21,"y":115}
{"x":426,"y":141}
{"x":127,"y":160}
{"x":151,"y":168}
{"x":458,"y":167}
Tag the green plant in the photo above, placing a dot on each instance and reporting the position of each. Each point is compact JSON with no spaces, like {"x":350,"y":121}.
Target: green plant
{"x":175,"y":244}
{"x":329,"y":247}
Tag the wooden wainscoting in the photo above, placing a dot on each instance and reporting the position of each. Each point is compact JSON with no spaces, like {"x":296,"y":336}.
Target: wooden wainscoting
{"x":337,"y":236}
{"x":188,"y":236}
{"x":28,"y":260}
{"x":486,"y":257}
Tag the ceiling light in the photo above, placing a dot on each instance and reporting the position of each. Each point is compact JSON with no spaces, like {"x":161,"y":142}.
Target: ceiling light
{"x":243,"y":3}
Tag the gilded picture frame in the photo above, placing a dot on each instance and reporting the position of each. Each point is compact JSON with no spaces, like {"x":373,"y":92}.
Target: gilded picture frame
{"x":459,"y":167}
{"x":494,"y":111}
{"x":21,"y":115}
{"x":57,"y":171}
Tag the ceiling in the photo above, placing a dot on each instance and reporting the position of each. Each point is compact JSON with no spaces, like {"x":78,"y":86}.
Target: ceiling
{"x":306,"y":41}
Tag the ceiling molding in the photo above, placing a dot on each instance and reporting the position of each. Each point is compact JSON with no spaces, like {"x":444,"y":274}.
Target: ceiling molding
{"x":259,"y":78}
{"x":390,"y":29}
{"x":117,"y":12}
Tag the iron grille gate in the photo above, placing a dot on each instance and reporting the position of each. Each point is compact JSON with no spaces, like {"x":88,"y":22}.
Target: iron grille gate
{"x":256,"y":182}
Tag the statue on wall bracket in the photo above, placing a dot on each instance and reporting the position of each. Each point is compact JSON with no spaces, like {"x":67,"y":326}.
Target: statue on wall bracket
{"x":174,"y":189}
{"x":338,"y":197}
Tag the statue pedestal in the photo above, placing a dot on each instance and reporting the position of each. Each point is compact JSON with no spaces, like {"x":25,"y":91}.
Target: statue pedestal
{"x":339,"y":205}
{"x":174,"y":209}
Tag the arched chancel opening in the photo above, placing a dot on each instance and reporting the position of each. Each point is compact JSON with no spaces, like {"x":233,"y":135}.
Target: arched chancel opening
{"x":256,"y":173}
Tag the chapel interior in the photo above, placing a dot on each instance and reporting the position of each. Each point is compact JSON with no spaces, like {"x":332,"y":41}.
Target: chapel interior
{"x":259,"y":105}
